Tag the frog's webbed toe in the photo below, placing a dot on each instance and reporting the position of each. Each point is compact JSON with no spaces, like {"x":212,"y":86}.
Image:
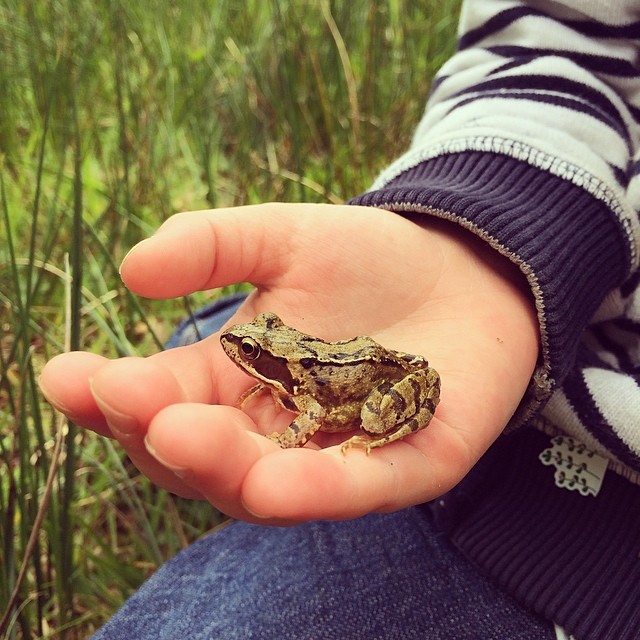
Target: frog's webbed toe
{"x":357,"y":442}
{"x":367,"y":443}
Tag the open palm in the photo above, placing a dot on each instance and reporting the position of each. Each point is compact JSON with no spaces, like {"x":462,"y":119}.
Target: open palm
{"x":421,"y":286}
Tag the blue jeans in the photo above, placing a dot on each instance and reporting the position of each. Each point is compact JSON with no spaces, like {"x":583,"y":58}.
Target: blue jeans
{"x":380,"y":576}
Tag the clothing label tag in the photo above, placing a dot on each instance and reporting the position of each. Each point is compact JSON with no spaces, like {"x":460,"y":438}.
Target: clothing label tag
{"x":577,"y":468}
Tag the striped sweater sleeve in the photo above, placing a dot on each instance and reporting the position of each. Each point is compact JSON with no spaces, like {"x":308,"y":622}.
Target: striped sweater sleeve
{"x":530,"y":139}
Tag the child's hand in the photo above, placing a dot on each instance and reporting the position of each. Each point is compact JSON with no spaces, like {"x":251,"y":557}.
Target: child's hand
{"x":334,"y":272}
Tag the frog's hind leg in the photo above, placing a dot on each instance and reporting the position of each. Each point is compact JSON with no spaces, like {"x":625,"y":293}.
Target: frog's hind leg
{"x":393,"y":411}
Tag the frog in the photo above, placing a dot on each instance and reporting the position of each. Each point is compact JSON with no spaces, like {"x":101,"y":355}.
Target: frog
{"x":353,"y":384}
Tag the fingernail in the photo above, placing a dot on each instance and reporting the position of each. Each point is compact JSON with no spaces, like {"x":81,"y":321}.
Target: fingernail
{"x":118,"y":421}
{"x":132,"y":250}
{"x":57,"y":405}
{"x":181,"y":472}
{"x":48,"y":397}
{"x":253,"y":514}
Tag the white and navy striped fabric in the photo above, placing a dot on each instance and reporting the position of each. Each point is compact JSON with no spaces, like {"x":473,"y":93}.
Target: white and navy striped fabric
{"x":537,"y":119}
{"x":531,"y":139}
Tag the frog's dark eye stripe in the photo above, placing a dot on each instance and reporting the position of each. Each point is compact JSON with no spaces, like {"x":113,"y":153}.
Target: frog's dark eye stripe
{"x":249,"y":349}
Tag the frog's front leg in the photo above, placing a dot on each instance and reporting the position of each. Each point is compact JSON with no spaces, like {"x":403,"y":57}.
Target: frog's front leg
{"x":395,"y":410}
{"x":301,"y":430}
{"x":244,"y":398}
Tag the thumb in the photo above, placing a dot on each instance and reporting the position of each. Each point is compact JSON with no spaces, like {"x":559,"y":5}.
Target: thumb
{"x":201,"y":250}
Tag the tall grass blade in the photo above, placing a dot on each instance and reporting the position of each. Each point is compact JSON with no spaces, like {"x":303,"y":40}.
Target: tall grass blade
{"x":75,"y":297}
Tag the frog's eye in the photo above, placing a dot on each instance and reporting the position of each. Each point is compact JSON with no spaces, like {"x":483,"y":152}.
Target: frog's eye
{"x":249,"y":349}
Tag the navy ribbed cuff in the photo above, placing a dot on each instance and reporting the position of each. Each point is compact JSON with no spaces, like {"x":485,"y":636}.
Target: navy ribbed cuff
{"x":569,"y":244}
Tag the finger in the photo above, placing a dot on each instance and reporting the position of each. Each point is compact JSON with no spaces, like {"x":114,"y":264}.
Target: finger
{"x":129,"y":393}
{"x":65,"y":384}
{"x":303,"y":484}
{"x":264,"y":244}
{"x":217,"y":451}
{"x":65,"y":379}
{"x":210,"y":448}
{"x":211,"y":249}
{"x":68,"y":381}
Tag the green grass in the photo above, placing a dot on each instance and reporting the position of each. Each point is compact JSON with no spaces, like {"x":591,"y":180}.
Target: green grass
{"x":114,"y":115}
